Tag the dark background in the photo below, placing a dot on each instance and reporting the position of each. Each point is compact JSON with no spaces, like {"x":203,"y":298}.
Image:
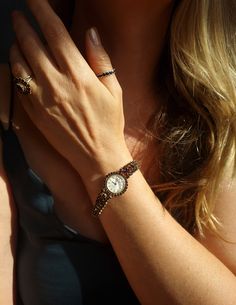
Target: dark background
{"x":6,"y":34}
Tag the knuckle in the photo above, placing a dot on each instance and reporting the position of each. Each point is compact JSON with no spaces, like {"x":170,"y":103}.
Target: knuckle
{"x":53,"y":34}
{"x":81,"y":82}
{"x":58,"y":95}
{"x":16,"y":69}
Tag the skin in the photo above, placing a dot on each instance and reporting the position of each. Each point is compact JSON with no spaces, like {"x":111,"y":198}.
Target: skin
{"x":171,"y":262}
{"x":7,"y":251}
{"x":135,"y":118}
{"x":134,"y":40}
{"x":7,"y":211}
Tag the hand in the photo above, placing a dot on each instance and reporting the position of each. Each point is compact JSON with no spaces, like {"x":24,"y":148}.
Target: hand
{"x":80,"y":115}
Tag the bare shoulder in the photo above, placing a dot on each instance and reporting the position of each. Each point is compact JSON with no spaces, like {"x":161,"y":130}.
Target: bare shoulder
{"x":225,"y":211}
{"x":5,"y":93}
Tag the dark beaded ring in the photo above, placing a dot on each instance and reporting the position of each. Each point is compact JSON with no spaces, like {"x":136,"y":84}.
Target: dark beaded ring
{"x":107,"y":73}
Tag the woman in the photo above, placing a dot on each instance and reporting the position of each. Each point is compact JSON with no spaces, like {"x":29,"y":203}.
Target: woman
{"x":168,"y":236}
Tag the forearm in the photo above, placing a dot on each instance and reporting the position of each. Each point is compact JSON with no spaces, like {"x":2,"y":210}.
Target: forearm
{"x":7,"y":247}
{"x":155,"y":251}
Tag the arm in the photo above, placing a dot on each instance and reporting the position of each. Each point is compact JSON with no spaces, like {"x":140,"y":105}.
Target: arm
{"x":7,"y":240}
{"x":225,"y":211}
{"x":153,"y":249}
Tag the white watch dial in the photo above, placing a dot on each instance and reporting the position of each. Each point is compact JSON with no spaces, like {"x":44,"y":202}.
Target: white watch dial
{"x":116,"y":183}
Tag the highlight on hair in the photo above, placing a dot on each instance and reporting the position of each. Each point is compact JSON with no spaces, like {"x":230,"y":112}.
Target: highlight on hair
{"x":197,"y":125}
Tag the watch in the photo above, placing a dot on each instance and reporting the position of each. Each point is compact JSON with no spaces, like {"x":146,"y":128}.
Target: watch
{"x":115,"y":184}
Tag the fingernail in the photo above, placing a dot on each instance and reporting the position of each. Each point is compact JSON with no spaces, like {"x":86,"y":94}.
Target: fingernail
{"x":94,"y":36}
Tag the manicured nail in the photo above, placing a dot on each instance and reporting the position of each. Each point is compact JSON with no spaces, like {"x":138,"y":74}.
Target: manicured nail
{"x":94,"y":37}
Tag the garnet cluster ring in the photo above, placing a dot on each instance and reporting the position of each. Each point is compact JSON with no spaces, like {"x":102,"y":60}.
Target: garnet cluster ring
{"x":23,"y":84}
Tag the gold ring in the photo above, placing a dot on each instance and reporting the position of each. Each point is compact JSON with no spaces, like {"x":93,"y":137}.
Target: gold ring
{"x":23,"y":84}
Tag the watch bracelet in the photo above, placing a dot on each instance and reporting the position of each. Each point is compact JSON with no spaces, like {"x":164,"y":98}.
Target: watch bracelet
{"x":101,"y":202}
{"x":103,"y":197}
{"x":129,"y":169}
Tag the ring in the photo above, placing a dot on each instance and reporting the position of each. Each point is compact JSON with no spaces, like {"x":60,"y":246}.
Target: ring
{"x":106,"y":73}
{"x":22,"y":84}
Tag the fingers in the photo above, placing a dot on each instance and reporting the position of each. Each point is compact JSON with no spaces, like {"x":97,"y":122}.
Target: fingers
{"x":100,"y":62}
{"x":60,"y":43}
{"x":33,"y":50}
{"x":19,"y":66}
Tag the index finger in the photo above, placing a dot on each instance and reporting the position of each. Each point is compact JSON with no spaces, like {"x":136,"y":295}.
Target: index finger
{"x":59,"y":41}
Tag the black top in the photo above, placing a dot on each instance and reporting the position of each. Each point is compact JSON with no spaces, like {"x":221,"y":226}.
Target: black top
{"x":56,"y":265}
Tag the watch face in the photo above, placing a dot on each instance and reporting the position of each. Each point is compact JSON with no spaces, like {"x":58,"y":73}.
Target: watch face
{"x":116,"y":184}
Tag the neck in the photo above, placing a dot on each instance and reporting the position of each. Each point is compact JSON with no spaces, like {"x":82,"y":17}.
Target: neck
{"x":133,"y":34}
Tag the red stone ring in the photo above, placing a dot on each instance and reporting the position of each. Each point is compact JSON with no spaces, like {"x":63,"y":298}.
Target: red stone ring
{"x":23,"y":84}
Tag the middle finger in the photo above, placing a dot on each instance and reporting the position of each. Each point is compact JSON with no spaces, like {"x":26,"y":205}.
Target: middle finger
{"x":32,"y":48}
{"x":61,"y":45}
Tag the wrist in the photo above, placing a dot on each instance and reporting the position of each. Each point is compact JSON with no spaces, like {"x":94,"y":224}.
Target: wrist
{"x":104,"y":160}
{"x":115,"y":184}
{"x":103,"y":164}
{"x":113,"y":160}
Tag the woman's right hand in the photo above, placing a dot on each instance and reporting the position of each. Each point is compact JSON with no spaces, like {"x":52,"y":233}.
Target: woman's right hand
{"x":80,"y":114}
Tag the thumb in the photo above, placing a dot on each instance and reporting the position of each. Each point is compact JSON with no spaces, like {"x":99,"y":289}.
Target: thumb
{"x":99,"y":61}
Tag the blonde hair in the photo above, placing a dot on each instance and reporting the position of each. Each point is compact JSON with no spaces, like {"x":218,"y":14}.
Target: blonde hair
{"x":197,"y":125}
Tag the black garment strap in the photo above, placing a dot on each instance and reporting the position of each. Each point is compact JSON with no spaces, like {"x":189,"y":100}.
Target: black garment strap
{"x":2,"y":128}
{"x":11,"y":100}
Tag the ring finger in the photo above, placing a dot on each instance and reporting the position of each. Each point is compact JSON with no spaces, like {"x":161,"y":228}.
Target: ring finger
{"x":19,"y":66}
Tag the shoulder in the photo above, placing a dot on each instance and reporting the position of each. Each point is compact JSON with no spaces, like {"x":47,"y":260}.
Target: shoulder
{"x":5,"y":93}
{"x":225,"y":211}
